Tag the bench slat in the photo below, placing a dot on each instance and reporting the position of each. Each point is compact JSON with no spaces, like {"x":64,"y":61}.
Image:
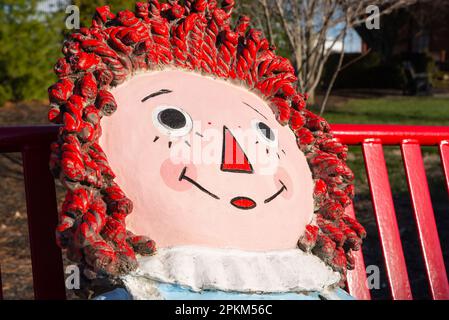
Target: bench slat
{"x":384,"y":212}
{"x":48,"y":274}
{"x":425,"y":220}
{"x":357,"y":283}
{"x":444,"y":153}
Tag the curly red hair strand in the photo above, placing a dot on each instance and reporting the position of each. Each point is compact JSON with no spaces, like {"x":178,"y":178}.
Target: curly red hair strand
{"x":196,"y":35}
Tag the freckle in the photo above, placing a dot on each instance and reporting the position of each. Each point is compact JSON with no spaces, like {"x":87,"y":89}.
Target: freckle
{"x":209,"y":123}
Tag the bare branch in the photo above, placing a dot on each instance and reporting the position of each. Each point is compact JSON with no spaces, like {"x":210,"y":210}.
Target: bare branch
{"x":306,"y":27}
{"x":336,"y":72}
{"x":267,"y":16}
{"x":360,"y":57}
{"x":360,"y":16}
{"x":285,"y":24}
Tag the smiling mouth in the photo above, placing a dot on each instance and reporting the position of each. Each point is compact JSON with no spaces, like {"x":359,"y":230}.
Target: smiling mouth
{"x":274,"y":196}
{"x":243,"y":203}
{"x":196,"y":184}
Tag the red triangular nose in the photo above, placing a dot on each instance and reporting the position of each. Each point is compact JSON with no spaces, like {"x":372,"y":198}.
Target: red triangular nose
{"x":234,"y":158}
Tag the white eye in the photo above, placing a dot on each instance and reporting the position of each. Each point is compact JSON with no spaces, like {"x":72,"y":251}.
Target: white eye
{"x":172,"y":121}
{"x":265,"y":133}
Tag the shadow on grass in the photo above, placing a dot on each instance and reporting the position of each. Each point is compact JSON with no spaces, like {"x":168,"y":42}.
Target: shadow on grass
{"x":392,"y":117}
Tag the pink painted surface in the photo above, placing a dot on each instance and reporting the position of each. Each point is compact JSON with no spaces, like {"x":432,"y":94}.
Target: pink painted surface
{"x":356,"y":279}
{"x":425,"y":220}
{"x":143,"y":155}
{"x":386,"y":219}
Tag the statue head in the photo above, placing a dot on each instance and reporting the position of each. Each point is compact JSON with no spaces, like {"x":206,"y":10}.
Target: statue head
{"x":180,"y":128}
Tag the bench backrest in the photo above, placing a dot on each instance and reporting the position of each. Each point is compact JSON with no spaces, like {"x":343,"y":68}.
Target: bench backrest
{"x":48,"y":277}
{"x":410,"y":139}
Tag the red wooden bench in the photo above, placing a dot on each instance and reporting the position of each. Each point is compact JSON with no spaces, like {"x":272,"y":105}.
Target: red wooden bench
{"x":33,"y":143}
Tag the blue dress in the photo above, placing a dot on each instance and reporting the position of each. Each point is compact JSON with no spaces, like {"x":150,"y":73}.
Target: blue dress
{"x":176,"y":292}
{"x":198,"y":273}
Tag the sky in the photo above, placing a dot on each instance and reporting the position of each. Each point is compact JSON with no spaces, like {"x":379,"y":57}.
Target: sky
{"x":50,"y":5}
{"x":353,"y":42}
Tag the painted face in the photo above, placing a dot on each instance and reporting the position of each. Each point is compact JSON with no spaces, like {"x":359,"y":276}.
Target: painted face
{"x":206,"y":163}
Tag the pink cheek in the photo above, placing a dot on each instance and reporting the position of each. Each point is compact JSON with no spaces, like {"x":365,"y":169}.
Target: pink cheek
{"x":285,"y":178}
{"x":171,"y":172}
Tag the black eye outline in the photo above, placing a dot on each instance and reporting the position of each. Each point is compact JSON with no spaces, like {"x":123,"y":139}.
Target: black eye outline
{"x":179,"y":126}
{"x":261,"y":127}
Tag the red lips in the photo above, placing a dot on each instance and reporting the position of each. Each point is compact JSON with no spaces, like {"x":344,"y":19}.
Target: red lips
{"x":243,"y":203}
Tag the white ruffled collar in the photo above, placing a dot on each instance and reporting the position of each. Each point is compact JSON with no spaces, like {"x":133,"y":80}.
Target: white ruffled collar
{"x":199,"y":268}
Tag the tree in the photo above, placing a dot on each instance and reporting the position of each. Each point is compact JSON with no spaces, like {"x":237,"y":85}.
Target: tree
{"x":29,"y":45}
{"x":306,"y":25}
{"x":87,"y":7}
{"x":31,"y":34}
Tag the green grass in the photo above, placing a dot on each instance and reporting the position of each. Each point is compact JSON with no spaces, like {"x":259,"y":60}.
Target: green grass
{"x":394,"y":110}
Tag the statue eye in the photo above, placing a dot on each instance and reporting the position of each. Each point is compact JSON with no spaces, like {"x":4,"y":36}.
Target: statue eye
{"x":172,"y":121}
{"x":172,"y":118}
{"x":266,"y":134}
{"x":266,"y":131}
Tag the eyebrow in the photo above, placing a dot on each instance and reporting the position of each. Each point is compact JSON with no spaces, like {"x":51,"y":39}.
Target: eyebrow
{"x":157,"y":93}
{"x":254,"y":109}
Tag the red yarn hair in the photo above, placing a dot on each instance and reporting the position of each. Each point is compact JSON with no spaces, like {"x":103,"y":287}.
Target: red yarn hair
{"x":196,"y":35}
